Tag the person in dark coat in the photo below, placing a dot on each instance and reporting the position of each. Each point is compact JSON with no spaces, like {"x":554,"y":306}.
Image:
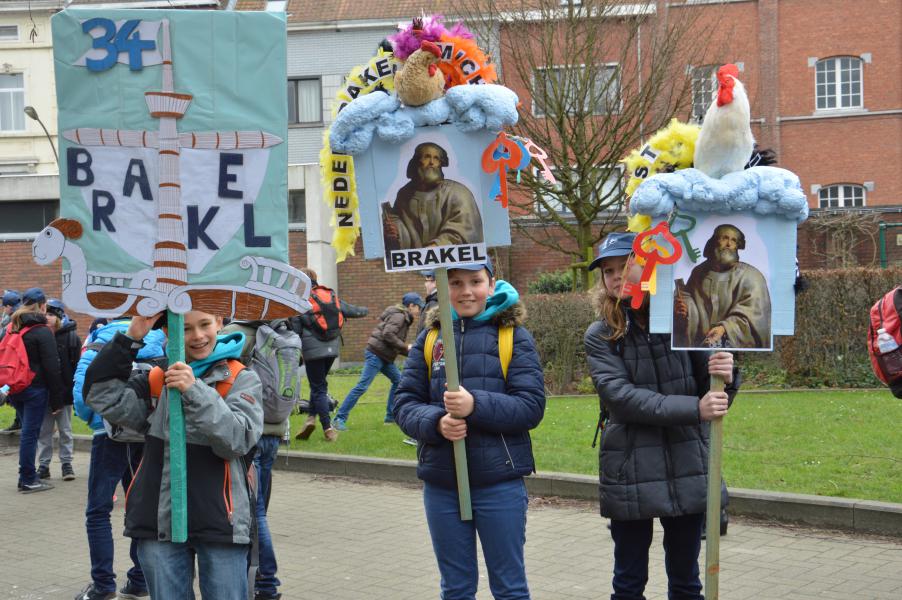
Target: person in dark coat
{"x":68,"y":347}
{"x":46,"y":389}
{"x":431,"y":300}
{"x":653,"y":460}
{"x":493,"y":412}
{"x":387,"y":341}
{"x":319,"y":355}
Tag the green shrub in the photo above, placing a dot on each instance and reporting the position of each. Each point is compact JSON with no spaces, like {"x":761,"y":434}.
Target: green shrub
{"x":560,"y":282}
{"x":558,"y":322}
{"x":829,"y":348}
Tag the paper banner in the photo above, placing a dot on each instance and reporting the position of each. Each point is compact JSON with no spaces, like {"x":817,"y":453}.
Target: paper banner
{"x":173,"y":177}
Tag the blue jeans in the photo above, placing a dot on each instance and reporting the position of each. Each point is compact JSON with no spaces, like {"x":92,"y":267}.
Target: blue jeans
{"x":111,"y":463}
{"x":267,"y":449}
{"x":33,"y":403}
{"x":682,"y":542}
{"x":169,"y":569}
{"x":317,"y":371}
{"x":499,"y":518}
{"x":372,"y":366}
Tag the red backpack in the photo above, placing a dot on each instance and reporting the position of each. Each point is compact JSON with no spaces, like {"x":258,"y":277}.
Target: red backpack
{"x":325,"y":318}
{"x":886,"y":350}
{"x":15,"y":370}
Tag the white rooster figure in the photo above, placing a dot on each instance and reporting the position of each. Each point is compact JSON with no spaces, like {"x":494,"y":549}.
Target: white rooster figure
{"x":725,"y":141}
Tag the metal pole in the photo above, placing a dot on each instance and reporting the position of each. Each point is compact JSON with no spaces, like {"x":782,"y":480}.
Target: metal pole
{"x":883,"y":260}
{"x":178,"y":477}
{"x":712,"y":523}
{"x":453,"y":380}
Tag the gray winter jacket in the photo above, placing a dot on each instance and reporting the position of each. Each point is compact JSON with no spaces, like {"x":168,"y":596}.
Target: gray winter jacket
{"x":315,"y":348}
{"x":220,"y":433}
{"x":653,"y":460}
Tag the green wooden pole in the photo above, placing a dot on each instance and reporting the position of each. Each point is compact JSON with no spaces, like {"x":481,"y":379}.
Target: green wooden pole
{"x":712,"y":522}
{"x":178,"y":476}
{"x":450,"y":353}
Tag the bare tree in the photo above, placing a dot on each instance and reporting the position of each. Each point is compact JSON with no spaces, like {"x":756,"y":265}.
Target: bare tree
{"x":839,"y":236}
{"x":594,"y":78}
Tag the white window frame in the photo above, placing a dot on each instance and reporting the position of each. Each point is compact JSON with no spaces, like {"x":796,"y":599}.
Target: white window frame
{"x":276,"y":5}
{"x":844,"y":195}
{"x":14,"y":114}
{"x":616,"y":105}
{"x":833,"y":65}
{"x":7,"y":37}
{"x":556,"y":204}
{"x":702,"y":96}
{"x":297,"y":225}
{"x":297,"y":123}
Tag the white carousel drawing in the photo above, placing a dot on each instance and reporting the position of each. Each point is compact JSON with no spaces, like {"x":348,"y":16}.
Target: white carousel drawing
{"x":272,"y":290}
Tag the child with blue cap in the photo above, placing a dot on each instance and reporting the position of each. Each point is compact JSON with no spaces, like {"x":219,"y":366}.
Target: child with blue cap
{"x":500,"y":398}
{"x":654,"y":446}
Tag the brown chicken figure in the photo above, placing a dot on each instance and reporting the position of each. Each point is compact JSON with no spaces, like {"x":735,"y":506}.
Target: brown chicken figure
{"x":419,"y":80}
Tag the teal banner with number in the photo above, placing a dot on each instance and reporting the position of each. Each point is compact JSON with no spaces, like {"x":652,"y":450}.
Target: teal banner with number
{"x":173,"y":164}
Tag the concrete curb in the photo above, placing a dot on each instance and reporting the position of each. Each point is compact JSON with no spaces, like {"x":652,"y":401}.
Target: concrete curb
{"x":865,"y":516}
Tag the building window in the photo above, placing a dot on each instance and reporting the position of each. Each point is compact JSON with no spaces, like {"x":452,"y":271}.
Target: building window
{"x":839,"y":82}
{"x":276,"y":5}
{"x":704,"y":83}
{"x":12,"y":102}
{"x":9,"y":33}
{"x":841,"y":196}
{"x":609,"y":186}
{"x":305,"y":99}
{"x":297,"y":207}
{"x":571,"y":89}
{"x":27,"y":216}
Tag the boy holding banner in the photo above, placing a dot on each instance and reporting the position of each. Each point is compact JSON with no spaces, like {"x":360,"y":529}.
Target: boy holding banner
{"x":501,"y":397}
{"x":223,"y":422}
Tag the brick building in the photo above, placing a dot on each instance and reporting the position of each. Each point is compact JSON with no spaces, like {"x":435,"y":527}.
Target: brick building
{"x":824,"y":79}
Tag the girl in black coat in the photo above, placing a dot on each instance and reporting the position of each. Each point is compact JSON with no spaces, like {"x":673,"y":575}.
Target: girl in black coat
{"x":654,"y":451}
{"x":46,"y":387}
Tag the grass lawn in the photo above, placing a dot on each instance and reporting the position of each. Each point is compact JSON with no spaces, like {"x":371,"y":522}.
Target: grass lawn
{"x":832,"y":443}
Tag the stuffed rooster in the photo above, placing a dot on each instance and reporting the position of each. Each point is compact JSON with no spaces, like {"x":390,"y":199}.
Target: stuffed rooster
{"x":420,"y":81}
{"x":725,"y":141}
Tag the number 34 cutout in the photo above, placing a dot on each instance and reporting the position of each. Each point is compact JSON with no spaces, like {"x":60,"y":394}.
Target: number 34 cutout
{"x":126,"y":39}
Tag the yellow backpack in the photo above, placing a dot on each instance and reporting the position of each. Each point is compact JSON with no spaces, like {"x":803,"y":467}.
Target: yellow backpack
{"x":505,"y":348}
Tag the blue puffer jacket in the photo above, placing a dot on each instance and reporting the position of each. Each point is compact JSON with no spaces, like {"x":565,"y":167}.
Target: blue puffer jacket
{"x":154,"y":347}
{"x":498,"y":443}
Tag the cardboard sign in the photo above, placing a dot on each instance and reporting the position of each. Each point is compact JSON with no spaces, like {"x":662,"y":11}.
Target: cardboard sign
{"x":425,"y":203}
{"x":173,"y":174}
{"x":736,"y":273}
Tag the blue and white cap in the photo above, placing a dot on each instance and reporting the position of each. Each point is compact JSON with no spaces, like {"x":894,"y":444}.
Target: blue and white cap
{"x":615,"y":244}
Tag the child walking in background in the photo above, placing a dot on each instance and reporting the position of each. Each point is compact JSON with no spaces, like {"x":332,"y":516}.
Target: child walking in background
{"x":222,"y":403}
{"x":68,"y":347}
{"x":654,"y":450}
{"x":388,"y":340}
{"x":493,"y":411}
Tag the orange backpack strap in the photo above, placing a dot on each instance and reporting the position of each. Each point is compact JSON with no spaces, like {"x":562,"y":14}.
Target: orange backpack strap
{"x":225,"y":386}
{"x":156,"y":376}
{"x":155,"y":379}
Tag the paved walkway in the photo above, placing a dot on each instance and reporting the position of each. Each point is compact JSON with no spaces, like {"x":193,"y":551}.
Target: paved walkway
{"x":338,"y":539}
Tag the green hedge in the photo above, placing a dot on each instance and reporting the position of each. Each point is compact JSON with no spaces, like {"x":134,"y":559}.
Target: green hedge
{"x":829,"y":348}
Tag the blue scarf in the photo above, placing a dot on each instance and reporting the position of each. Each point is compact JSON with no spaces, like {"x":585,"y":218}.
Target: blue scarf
{"x":227,"y":346}
{"x":504,"y":297}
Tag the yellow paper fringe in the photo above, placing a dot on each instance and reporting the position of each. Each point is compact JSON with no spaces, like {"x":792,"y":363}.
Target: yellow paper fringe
{"x":340,"y":193}
{"x":377,"y":74}
{"x":673,"y":145}
{"x":339,"y":182}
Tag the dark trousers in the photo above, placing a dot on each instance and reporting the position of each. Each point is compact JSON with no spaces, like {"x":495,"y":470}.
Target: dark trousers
{"x":682,"y":542}
{"x":317,"y":371}
{"x":32,"y":401}
{"x":267,"y":450}
{"x":111,"y":463}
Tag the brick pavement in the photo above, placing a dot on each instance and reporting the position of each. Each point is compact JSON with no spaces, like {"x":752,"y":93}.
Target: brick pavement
{"x":338,"y":539}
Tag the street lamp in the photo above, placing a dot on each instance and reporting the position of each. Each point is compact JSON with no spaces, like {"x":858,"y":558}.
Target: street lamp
{"x":33,"y":114}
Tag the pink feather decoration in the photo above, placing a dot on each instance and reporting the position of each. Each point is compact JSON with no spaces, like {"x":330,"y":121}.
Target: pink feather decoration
{"x":407,"y":40}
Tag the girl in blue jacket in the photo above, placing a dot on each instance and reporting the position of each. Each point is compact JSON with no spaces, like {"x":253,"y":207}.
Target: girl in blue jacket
{"x":494,"y":415}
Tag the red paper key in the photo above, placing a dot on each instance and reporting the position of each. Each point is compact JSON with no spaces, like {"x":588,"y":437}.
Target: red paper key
{"x":652,"y":258}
